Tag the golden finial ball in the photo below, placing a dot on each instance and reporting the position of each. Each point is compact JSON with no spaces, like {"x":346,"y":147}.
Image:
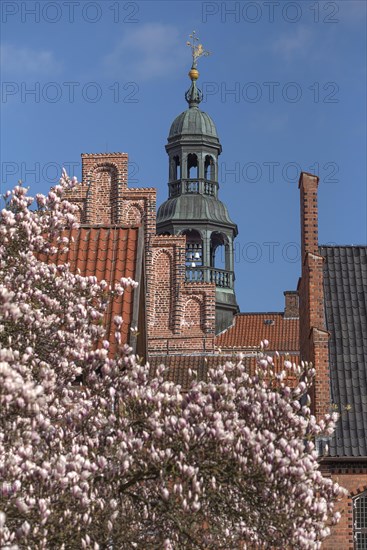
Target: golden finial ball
{"x":194,"y":74}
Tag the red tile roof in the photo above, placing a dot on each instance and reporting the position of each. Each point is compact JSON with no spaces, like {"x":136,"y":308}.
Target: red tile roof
{"x":249,"y":329}
{"x":245,"y":334}
{"x":178,"y":365}
{"x":108,"y":253}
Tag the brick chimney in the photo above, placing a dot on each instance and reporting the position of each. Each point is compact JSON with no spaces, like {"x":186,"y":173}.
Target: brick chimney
{"x":313,"y":334}
{"x":291,"y":309}
{"x":308,"y":185}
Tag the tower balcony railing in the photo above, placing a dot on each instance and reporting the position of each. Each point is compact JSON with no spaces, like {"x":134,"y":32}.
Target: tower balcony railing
{"x":221,"y":277}
{"x":191,"y":186}
{"x":175,"y":188}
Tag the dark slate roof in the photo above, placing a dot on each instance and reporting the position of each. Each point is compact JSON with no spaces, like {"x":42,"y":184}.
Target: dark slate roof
{"x":345,"y":296}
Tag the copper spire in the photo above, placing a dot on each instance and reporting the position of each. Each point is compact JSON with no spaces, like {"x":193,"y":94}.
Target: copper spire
{"x":194,"y":96}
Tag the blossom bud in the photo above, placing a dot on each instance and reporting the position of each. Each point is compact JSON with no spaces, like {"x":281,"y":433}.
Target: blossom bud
{"x":21,"y":505}
{"x":26,"y":528}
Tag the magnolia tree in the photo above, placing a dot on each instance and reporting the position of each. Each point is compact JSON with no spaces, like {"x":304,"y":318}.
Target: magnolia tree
{"x":99,"y":452}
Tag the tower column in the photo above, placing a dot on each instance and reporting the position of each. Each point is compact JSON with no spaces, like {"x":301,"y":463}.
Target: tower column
{"x":228,"y":256}
{"x":171,"y":169}
{"x":201,"y":165}
{"x":230,"y":260}
{"x":184,"y":173}
{"x":206,"y":255}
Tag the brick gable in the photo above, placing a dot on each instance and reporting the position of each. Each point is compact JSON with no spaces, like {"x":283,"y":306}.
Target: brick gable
{"x":180,"y":314}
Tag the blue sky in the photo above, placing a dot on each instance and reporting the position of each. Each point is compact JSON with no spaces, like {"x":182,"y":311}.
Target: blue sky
{"x":285,"y":85}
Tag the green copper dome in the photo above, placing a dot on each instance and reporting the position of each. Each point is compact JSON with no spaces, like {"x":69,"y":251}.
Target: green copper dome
{"x":193,"y":122}
{"x":195,"y":208}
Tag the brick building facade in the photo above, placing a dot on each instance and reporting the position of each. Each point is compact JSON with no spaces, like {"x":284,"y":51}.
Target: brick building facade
{"x":333,"y":335}
{"x":186,"y":310}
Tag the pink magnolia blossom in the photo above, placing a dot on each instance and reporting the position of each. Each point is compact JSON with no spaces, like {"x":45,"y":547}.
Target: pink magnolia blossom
{"x":98,"y":452}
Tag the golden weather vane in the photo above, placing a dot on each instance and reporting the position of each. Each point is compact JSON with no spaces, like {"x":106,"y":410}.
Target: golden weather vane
{"x":197,"y":49}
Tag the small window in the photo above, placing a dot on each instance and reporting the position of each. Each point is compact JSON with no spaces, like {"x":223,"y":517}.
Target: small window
{"x":194,"y":248}
{"x":176,"y":168}
{"x":219,"y":251}
{"x":360,"y":521}
{"x":192,"y":166}
{"x":209,"y":168}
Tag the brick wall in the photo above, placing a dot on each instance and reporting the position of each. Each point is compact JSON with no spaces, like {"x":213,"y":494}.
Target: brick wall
{"x":181,"y":316}
{"x":308,"y":185}
{"x":354,"y":478}
{"x":139,"y":205}
{"x":314,"y":346}
{"x":291,"y":306}
{"x":104,"y":199}
{"x":116,"y":161}
{"x":104,"y":179}
{"x":103,"y":196}
{"x":313,"y":334}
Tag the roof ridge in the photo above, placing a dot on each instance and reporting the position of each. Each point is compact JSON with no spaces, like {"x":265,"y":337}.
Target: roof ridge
{"x":203,"y":355}
{"x":115,"y":226}
{"x":343,"y":246}
{"x":103,"y":154}
{"x":260,"y":313}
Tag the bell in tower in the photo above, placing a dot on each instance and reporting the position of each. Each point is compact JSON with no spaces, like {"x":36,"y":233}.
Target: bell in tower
{"x":193,"y":208}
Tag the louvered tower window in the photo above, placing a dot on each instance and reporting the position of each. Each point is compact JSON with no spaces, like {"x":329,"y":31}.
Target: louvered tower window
{"x":360,"y":521}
